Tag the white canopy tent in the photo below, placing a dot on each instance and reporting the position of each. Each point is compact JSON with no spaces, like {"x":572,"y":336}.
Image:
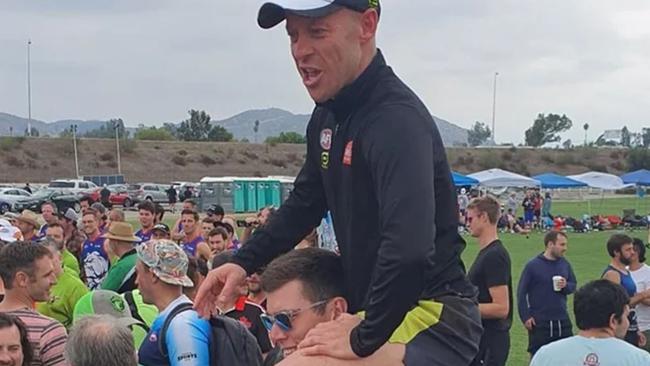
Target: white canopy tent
{"x":503,"y":178}
{"x":604,"y":181}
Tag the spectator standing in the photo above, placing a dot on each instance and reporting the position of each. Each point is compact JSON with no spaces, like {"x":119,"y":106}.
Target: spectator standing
{"x":146,"y":213}
{"x":491,"y":274}
{"x":65,"y":293}
{"x":15,"y":349}
{"x":601,"y":310}
{"x":94,"y":258}
{"x":28,"y":275}
{"x":100,"y":340}
{"x":640,"y":272}
{"x":121,"y":244}
{"x":55,"y":232}
{"x":621,"y":249}
{"x":541,"y":298}
{"x":48,"y":213}
{"x":105,"y":196}
{"x":172,"y":197}
{"x":27,"y":222}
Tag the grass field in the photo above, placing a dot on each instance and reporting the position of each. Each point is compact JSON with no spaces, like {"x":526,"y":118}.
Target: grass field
{"x":586,"y":253}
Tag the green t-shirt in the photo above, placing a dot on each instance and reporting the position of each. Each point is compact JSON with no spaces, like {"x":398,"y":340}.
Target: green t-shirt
{"x":63,"y":297}
{"x":70,"y":262}
{"x":121,"y":276}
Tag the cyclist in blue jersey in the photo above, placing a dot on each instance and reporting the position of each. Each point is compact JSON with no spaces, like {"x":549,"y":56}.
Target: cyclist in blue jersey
{"x":161,"y":275}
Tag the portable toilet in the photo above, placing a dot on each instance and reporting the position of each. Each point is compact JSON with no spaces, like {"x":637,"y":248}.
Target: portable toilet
{"x":219,"y":191}
{"x":286,"y":185}
{"x":239,"y":196}
{"x":274,"y":193}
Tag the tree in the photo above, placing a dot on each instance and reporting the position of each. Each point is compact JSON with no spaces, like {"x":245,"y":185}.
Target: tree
{"x":153,"y":134}
{"x":585,"y":127}
{"x":546,"y":129}
{"x":35,"y":132}
{"x":638,"y":158}
{"x":219,"y":133}
{"x":195,"y":128}
{"x":478,"y":134}
{"x":568,"y":144}
{"x":626,"y":138}
{"x":107,"y":130}
{"x":645,"y":137}
{"x":287,"y":138}
{"x":256,"y":128}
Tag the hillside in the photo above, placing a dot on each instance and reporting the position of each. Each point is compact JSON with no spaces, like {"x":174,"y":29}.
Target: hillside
{"x":272,"y":122}
{"x":41,"y":159}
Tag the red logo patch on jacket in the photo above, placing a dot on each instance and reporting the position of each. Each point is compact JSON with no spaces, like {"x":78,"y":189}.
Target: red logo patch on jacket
{"x":347,"y":154}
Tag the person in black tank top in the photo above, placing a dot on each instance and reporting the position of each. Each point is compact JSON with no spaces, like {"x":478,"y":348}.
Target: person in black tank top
{"x":620,"y":247}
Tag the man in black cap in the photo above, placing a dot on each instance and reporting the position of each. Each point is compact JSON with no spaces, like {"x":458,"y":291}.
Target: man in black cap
{"x":375,"y":159}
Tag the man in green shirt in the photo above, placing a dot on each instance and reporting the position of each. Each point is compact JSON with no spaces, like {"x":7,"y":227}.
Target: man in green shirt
{"x":65,"y":293}
{"x":54,"y":231}
{"x":121,"y":244}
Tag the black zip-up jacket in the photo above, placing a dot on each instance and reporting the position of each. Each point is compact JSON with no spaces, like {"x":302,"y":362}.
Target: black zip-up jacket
{"x":376,"y":160}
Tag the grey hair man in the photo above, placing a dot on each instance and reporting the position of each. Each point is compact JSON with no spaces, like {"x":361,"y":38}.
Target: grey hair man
{"x":100,"y":340}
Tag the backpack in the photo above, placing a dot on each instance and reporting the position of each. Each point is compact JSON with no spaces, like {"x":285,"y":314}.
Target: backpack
{"x":230,"y":344}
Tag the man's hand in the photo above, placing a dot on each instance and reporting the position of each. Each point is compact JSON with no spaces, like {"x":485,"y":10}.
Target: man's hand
{"x":331,"y":339}
{"x":530,"y":323}
{"x":219,"y":287}
{"x":562,"y":283}
{"x":642,"y":339}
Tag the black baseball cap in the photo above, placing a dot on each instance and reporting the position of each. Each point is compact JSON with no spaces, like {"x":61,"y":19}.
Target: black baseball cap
{"x":161,"y":227}
{"x":273,"y":13}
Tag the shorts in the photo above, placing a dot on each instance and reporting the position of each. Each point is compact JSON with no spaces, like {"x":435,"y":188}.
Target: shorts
{"x":547,"y":332}
{"x":494,"y":348}
{"x":446,"y":331}
{"x":529,"y":216}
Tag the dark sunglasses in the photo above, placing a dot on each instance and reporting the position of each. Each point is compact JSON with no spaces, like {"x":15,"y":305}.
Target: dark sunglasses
{"x":283,"y":318}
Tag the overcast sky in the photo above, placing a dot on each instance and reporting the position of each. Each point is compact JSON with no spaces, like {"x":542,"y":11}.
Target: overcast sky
{"x":149,"y":61}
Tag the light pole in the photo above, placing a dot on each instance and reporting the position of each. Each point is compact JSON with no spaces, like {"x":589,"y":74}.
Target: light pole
{"x":74,"y":144}
{"x":117,"y":144}
{"x":494,"y":107}
{"x":29,"y":89}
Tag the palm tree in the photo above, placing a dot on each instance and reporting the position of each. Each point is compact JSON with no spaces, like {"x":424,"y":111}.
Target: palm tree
{"x":585,"y":127}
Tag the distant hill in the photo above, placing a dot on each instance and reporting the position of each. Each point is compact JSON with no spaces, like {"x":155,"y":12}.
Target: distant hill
{"x":272,"y":122}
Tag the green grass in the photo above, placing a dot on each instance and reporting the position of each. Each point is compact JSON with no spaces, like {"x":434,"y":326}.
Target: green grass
{"x":586,"y":253}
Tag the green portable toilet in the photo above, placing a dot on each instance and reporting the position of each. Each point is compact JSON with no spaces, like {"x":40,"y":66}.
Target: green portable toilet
{"x":262,"y":187}
{"x":250,"y":187}
{"x":274,"y":193}
{"x":219,"y":191}
{"x":239,"y":196}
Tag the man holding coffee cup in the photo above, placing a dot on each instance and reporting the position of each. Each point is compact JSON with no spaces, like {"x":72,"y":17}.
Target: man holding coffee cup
{"x":542,"y":294}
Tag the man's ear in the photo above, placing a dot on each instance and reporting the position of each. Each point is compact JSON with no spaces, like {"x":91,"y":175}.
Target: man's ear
{"x":21,"y":279}
{"x":369,"y":21}
{"x":339,"y":306}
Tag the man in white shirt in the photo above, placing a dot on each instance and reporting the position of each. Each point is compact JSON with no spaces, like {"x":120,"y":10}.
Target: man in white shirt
{"x":641,"y":275}
{"x":601,"y":309}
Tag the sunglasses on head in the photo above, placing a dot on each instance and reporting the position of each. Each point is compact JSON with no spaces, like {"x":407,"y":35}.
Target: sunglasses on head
{"x":283,"y":318}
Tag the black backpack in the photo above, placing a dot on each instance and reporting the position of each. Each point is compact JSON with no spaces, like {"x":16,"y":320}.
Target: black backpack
{"x":231,"y":343}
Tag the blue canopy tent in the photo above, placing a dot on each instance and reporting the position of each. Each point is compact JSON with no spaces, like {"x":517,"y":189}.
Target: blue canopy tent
{"x":639,"y":177}
{"x":553,"y":181}
{"x":463,"y":180}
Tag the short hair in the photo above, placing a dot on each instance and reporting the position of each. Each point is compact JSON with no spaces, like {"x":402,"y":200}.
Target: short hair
{"x":190,"y":201}
{"x":48,"y":203}
{"x":53,"y":225}
{"x":320,"y":271}
{"x":51,"y":244}
{"x":194,"y":214}
{"x":639,"y":248}
{"x":218,"y":231}
{"x":595,"y":302}
{"x":226,"y":226}
{"x":222,"y":258}
{"x":90,"y":211}
{"x":100,"y":340}
{"x":8,"y":321}
{"x":159,"y":211}
{"x":119,"y":213}
{"x":488,"y":205}
{"x":87,"y":199}
{"x":209,"y":220}
{"x":17,"y":257}
{"x":196,"y":266}
{"x":147,"y":206}
{"x":551,"y":237}
{"x":616,"y":242}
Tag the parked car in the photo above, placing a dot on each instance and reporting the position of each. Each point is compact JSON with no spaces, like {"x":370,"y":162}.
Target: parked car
{"x":119,"y":195}
{"x":9,"y":196}
{"x":62,"y":200}
{"x":147,"y":192}
{"x":73,"y":185}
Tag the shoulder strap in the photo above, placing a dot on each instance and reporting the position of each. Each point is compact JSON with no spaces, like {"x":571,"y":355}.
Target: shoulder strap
{"x":128,"y":297}
{"x":162,"y":346}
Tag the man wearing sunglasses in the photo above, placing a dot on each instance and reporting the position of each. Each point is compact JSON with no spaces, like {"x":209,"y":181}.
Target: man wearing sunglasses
{"x":376,"y":160}
{"x":305,"y":288}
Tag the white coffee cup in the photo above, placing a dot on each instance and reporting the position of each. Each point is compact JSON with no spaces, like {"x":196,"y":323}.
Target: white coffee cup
{"x":556,"y":283}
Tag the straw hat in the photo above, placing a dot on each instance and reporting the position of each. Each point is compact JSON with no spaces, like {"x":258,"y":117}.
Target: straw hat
{"x":122,"y":231}
{"x":29,"y":217}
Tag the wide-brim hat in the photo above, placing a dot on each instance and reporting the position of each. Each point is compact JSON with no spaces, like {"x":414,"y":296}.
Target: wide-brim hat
{"x":29,"y":217}
{"x":121,"y":231}
{"x":166,"y":260}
